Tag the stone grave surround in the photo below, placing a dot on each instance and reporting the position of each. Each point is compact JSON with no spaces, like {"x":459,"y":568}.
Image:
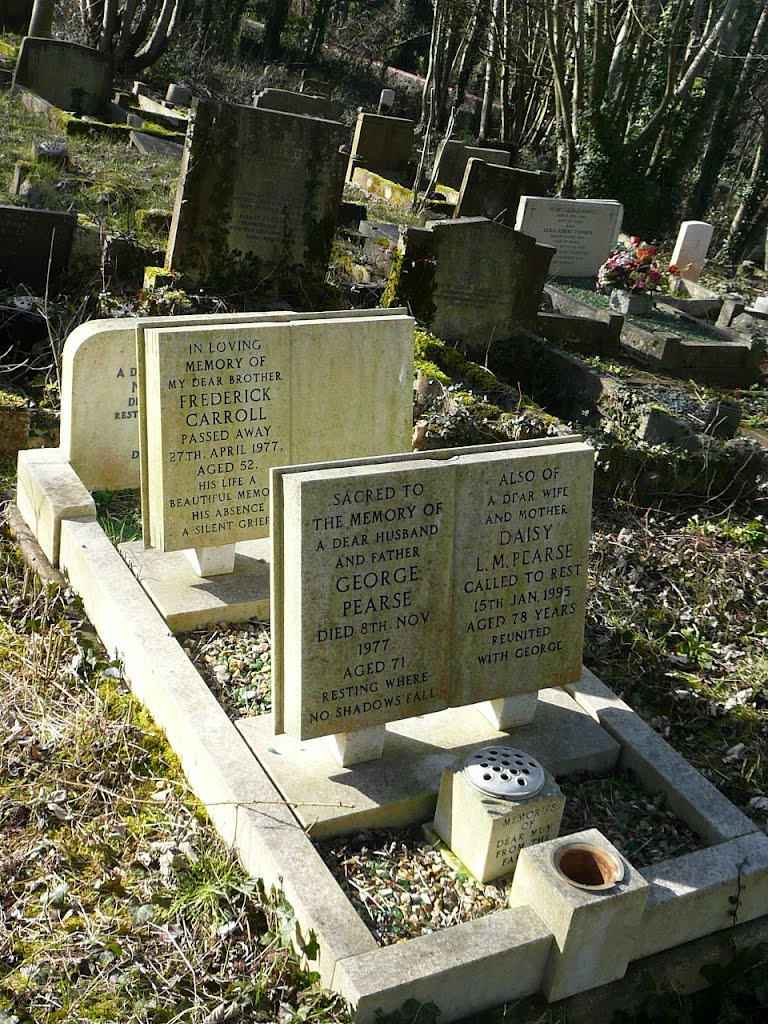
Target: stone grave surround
{"x":381,"y":144}
{"x":466,"y":299}
{"x":258,"y":190}
{"x":409,"y":584}
{"x":66,"y":75}
{"x":35,"y":245}
{"x":493,"y":191}
{"x":99,"y":433}
{"x":690,"y":252}
{"x":583,"y":231}
{"x":453,"y":156}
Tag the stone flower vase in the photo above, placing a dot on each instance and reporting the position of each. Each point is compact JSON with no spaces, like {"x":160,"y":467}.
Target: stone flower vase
{"x":631,"y":303}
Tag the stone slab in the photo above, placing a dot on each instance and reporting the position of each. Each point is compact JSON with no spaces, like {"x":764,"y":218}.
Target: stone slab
{"x":463,"y":970}
{"x":659,"y":768}
{"x":467,"y":300}
{"x":100,"y":432}
{"x":381,"y":144}
{"x":703,"y":892}
{"x":690,"y":251}
{"x":493,"y":191}
{"x":401,"y":788}
{"x":453,"y":156}
{"x":583,"y":231}
{"x":153,"y":145}
{"x":258,"y":193}
{"x":225,"y":404}
{"x":292,"y":102}
{"x":48,"y":491}
{"x":34,"y":246}
{"x":66,"y":75}
{"x":186,"y":601}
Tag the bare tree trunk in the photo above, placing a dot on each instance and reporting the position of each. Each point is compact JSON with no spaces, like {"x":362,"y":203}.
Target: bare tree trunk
{"x":41,"y":22}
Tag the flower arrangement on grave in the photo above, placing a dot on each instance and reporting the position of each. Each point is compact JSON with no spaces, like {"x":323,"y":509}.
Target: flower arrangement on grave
{"x":637,"y":267}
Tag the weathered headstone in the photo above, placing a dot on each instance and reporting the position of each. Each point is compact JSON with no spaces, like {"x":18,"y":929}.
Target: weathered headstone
{"x":690,"y":250}
{"x":386,"y":100}
{"x":100,"y":429}
{"x":178,"y":95}
{"x":494,"y":191}
{"x":66,"y":75}
{"x":258,"y":192}
{"x":292,"y":102}
{"x":154,"y":145}
{"x":381,"y":144}
{"x":471,"y":280}
{"x":34,"y":245}
{"x":409,"y":584}
{"x":220,"y":405}
{"x":582,"y":230}
{"x":452,"y":158}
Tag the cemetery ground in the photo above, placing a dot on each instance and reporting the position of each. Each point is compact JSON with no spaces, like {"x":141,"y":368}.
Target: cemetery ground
{"x":119,"y":901}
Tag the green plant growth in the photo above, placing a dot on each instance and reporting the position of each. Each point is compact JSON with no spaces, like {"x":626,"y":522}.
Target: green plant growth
{"x":119,"y":514}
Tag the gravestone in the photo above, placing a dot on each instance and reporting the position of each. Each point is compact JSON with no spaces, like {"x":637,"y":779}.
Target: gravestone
{"x":292,"y":102}
{"x":34,"y":245}
{"x":471,"y":280}
{"x":690,"y":250}
{"x":66,"y":75}
{"x":258,"y":193}
{"x":154,"y":145}
{"x":452,"y":159}
{"x":494,"y":191}
{"x":386,"y":100}
{"x":100,"y":429}
{"x":381,"y":144}
{"x":405,"y":585}
{"x":582,"y":230}
{"x":220,"y":405}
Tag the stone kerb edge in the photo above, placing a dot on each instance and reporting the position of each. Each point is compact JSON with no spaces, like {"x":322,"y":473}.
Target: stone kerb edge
{"x":214,"y":766}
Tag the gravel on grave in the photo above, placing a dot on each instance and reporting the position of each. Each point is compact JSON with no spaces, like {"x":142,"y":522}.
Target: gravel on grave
{"x":400,"y":883}
{"x":403,"y":886}
{"x":235,"y":662}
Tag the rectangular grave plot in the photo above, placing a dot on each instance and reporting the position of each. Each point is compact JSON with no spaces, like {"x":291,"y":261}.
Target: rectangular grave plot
{"x":367,"y":571}
{"x":520,"y":570}
{"x":217,"y":419}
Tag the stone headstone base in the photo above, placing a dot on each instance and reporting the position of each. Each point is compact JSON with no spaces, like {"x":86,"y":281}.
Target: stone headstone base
{"x":186,"y":600}
{"x":401,"y":787}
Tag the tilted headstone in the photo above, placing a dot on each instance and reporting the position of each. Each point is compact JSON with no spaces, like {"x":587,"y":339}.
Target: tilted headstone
{"x":34,"y":245}
{"x":257,"y":186}
{"x":66,"y":75}
{"x":410,"y":584}
{"x":292,"y":102}
{"x":690,"y":250}
{"x":381,"y":144}
{"x":452,"y":158}
{"x":471,"y":280}
{"x":582,"y":230}
{"x":100,"y":428}
{"x":493,"y":191}
{"x":220,"y":405}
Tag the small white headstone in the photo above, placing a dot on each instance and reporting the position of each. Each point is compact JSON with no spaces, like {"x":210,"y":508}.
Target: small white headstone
{"x":690,"y":250}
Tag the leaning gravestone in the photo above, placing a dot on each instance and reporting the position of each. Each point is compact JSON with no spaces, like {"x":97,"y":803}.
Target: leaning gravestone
{"x":381,"y":144}
{"x":494,"y":191}
{"x":452,"y":159}
{"x":258,"y":190}
{"x":471,"y":280}
{"x":34,"y":245}
{"x":582,"y":230}
{"x":66,"y":75}
{"x":690,"y":250}
{"x":406,"y":585}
